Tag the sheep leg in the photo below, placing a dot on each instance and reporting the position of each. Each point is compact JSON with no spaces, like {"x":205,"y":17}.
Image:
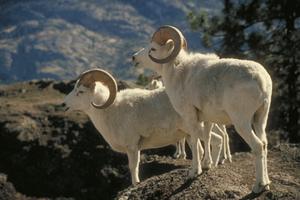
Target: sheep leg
{"x":195,"y":145}
{"x":207,"y":161}
{"x":197,"y":152}
{"x":192,"y":127}
{"x":264,"y":140}
{"x":183,"y":153}
{"x":200,"y":148}
{"x":257,"y":146}
{"x":227,"y":146}
{"x":180,"y":149}
{"x":133,"y":162}
{"x":259,"y":125}
{"x":221,"y":130}
{"x":201,"y":151}
{"x":216,"y":148}
{"x":181,"y":146}
{"x":216,"y":129}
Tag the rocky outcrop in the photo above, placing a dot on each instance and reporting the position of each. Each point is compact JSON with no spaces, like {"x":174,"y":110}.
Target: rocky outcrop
{"x":229,"y":181}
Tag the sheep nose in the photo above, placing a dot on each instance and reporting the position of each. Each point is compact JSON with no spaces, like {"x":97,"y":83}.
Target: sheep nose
{"x":63,"y":104}
{"x":133,"y":58}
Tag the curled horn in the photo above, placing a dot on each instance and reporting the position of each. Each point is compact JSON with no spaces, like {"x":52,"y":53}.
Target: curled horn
{"x":88,"y":78}
{"x":162,"y":35}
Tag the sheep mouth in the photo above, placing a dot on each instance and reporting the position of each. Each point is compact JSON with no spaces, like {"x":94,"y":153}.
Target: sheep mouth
{"x":136,"y":64}
{"x":66,"y":109}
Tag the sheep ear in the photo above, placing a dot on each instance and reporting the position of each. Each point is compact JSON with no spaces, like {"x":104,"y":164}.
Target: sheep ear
{"x":92,"y":86}
{"x":169,"y":45}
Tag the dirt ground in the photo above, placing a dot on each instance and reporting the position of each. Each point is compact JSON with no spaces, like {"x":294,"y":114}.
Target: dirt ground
{"x":228,"y":181}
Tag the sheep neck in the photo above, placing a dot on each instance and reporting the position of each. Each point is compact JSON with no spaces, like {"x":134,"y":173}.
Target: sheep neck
{"x":173,"y":78}
{"x":101,"y":122}
{"x":171,"y":75}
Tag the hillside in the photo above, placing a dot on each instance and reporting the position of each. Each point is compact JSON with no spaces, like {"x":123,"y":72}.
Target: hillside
{"x":46,"y":153}
{"x":59,"y":39}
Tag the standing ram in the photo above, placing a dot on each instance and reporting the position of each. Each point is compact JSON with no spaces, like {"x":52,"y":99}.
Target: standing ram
{"x":206,"y":89}
{"x":132,"y":119}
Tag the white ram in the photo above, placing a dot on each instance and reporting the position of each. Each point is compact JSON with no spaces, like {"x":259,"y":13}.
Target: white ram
{"x":207,"y":89}
{"x":132,"y":119}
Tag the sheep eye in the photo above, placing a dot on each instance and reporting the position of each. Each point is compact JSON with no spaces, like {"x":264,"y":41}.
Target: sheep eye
{"x":152,"y":49}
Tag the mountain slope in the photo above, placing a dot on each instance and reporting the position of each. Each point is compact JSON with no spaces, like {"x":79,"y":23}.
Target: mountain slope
{"x":58,"y":39}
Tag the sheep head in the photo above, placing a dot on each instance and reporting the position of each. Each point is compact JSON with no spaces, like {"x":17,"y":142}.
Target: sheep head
{"x":90,"y":77}
{"x":171,"y":40}
{"x":157,"y":53}
{"x":85,"y":88}
{"x":155,"y":83}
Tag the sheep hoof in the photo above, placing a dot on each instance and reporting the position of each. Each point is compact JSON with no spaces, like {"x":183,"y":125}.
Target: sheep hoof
{"x":206,"y":165}
{"x":179,"y":156}
{"x":182,"y":156}
{"x":259,"y":188}
{"x":267,"y":188}
{"x":194,"y":173}
{"x":176,"y":156}
{"x":222,"y":161}
{"x":135,"y":182}
{"x":230,"y":159}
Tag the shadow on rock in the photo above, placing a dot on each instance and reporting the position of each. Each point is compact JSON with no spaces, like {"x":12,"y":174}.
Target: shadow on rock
{"x":70,"y":160}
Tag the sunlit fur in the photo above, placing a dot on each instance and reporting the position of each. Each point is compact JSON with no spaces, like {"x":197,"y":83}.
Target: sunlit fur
{"x":205,"y":88}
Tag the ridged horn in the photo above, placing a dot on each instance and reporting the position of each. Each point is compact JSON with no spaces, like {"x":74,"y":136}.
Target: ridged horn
{"x":162,"y":35}
{"x":88,"y":78}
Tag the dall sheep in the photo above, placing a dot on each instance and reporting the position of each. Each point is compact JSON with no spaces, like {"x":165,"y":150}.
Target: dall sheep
{"x":132,"y":119}
{"x":207,"y":89}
